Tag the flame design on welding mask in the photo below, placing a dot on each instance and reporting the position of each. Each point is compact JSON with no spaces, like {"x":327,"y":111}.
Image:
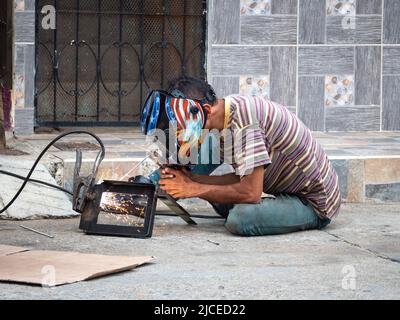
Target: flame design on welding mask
{"x":189,"y":117}
{"x":190,"y":137}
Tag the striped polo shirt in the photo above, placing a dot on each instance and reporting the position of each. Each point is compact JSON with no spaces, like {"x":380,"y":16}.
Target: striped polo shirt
{"x":267,"y":134}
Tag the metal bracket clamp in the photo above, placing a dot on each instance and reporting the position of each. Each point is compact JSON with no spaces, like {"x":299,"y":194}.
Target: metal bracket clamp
{"x":84,"y":185}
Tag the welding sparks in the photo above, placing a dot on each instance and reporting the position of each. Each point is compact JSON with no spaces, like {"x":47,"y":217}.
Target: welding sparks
{"x":127,"y":209}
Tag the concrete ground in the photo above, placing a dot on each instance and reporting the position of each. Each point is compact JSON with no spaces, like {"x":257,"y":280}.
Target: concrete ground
{"x":358,"y":257}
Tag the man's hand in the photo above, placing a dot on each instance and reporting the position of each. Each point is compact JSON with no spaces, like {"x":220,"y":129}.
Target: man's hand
{"x":246,"y":190}
{"x":178,"y":184}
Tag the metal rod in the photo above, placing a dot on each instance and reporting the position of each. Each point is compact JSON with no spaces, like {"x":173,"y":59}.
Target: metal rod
{"x":204,"y":37}
{"x":127,"y":13}
{"x":55,"y":64}
{"x":120,"y":63}
{"x":38,"y":232}
{"x":163,"y":45}
{"x":37,"y":39}
{"x":184,"y":39}
{"x":98,"y":70}
{"x":141,"y":62}
{"x":77,"y":61}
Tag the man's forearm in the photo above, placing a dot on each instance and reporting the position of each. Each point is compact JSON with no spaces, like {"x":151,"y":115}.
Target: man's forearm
{"x":216,"y":180}
{"x":248,"y":189}
{"x":227,"y":194}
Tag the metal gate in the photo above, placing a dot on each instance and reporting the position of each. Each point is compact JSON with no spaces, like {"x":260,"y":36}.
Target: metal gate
{"x":97,"y":65}
{"x":6,"y":43}
{"x":3,"y":39}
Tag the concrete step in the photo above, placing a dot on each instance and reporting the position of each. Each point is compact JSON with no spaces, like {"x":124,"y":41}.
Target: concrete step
{"x":375,"y":180}
{"x":362,"y":180}
{"x":368,"y":166}
{"x":36,"y":201}
{"x":368,"y":163}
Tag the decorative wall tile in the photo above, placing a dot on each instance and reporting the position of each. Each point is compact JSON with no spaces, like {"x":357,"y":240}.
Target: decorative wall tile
{"x":239,"y":60}
{"x":24,"y":5}
{"x":368,"y":76}
{"x":312,"y":22}
{"x":19,"y":59}
{"x":391,"y":27}
{"x":272,"y":29}
{"x":356,"y":181}
{"x":284,"y":6}
{"x":353,"y":119}
{"x":25,"y":22}
{"x":29,"y":75}
{"x":255,"y":86}
{"x":283,"y":75}
{"x":391,"y":60}
{"x":225,"y":86}
{"x":342,"y":169}
{"x":226,"y":22}
{"x":23,"y":97}
{"x":19,"y":5}
{"x":340,"y":7}
{"x":319,"y":60}
{"x":369,"y":7}
{"x":19,"y":77}
{"x":24,"y":121}
{"x":255,"y":7}
{"x":382,"y":171}
{"x":357,"y":30}
{"x":391,"y":103}
{"x":311,"y":106}
{"x":30,"y":5}
{"x":383,"y":192}
{"x":19,"y":91}
{"x":339,"y":90}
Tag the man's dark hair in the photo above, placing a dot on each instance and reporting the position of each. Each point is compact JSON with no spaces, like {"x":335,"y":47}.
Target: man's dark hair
{"x":193,"y":88}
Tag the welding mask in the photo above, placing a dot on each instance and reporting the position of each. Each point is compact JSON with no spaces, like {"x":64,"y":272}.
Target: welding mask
{"x":161,"y":110}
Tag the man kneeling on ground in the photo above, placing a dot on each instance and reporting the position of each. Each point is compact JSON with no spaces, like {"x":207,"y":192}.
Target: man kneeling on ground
{"x":274,"y":154}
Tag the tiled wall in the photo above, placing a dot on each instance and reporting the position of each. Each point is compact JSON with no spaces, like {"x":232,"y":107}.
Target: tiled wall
{"x":24,"y":66}
{"x":369,"y":180}
{"x":325,"y":59}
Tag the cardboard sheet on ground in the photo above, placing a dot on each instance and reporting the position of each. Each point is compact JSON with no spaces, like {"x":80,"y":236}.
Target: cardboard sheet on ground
{"x":53,"y":268}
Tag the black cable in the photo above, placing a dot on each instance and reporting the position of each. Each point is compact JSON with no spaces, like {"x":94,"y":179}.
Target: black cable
{"x":27,"y":178}
{"x":36,"y":181}
{"x":70,"y":193}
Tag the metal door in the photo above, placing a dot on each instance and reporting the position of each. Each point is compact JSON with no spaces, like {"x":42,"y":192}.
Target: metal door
{"x":96,"y":66}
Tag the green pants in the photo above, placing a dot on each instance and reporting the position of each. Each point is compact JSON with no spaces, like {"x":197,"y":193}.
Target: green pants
{"x":285,"y":214}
